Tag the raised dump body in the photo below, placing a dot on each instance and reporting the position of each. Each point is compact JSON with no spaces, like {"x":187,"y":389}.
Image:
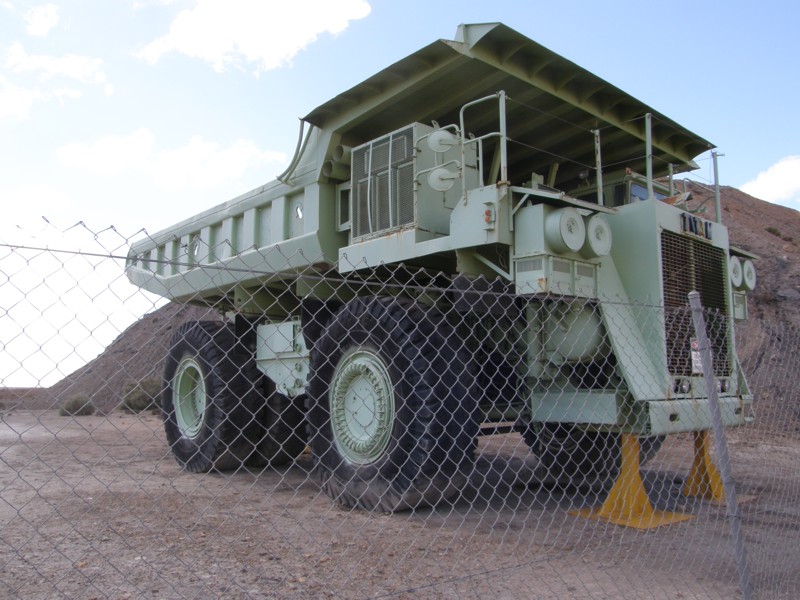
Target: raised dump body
{"x":460,"y":193}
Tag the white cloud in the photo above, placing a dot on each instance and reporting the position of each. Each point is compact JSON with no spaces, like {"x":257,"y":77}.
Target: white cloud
{"x":780,"y":183}
{"x":61,"y":93}
{"x":41,"y":19}
{"x":266,"y":35}
{"x":199,"y":164}
{"x":112,"y":155}
{"x":71,"y":66}
{"x":145,"y":3}
{"x":50,"y":202}
{"x":16,"y":102}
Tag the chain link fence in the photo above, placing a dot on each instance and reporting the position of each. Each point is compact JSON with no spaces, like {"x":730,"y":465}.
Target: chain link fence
{"x":391,"y":433}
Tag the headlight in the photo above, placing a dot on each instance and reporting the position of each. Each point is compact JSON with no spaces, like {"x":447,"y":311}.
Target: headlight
{"x":735,"y":271}
{"x":682,"y":386}
{"x":749,"y":275}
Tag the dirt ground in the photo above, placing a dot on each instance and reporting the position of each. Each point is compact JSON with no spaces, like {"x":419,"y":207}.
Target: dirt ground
{"x":95,"y":507}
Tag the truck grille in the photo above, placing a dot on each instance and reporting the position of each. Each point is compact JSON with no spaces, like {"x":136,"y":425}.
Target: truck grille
{"x":383,"y":184}
{"x":687,"y":265}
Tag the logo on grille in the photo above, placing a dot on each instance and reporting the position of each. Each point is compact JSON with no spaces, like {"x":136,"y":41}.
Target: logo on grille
{"x":696,"y":226}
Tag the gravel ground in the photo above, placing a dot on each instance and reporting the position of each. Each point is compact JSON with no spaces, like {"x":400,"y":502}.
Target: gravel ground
{"x":95,"y":507}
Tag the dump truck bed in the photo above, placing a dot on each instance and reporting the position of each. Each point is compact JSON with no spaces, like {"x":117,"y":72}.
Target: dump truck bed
{"x":265,"y":235}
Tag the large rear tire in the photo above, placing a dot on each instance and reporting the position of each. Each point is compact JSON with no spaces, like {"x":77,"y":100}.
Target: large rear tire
{"x":209,"y":403}
{"x":392,"y":407}
{"x":283,"y":437}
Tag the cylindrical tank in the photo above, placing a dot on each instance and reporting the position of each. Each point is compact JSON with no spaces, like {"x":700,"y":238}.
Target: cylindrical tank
{"x":574,"y":333}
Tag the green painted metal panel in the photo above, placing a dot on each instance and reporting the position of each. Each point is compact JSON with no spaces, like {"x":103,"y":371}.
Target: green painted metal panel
{"x":676,"y":416}
{"x":573,"y":406}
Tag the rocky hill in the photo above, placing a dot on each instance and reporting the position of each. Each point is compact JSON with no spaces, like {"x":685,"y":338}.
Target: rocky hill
{"x":770,"y":231}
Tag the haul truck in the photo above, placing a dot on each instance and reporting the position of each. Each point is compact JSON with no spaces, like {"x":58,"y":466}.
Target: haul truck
{"x":481,"y":236}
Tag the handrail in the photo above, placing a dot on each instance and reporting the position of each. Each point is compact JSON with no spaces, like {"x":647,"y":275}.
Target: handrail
{"x":501,"y":96}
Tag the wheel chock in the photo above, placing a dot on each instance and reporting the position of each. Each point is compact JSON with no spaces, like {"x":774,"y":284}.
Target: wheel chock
{"x":627,"y":503}
{"x":704,"y":480}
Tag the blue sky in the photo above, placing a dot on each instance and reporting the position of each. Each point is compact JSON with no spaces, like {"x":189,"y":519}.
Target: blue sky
{"x":140,"y":113}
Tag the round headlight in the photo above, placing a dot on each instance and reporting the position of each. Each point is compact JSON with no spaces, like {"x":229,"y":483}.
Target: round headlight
{"x":749,"y":275}
{"x":682,"y":386}
{"x":735,"y":271}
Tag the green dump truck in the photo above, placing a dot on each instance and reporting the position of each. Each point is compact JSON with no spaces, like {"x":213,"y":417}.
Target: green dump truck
{"x":481,"y":237}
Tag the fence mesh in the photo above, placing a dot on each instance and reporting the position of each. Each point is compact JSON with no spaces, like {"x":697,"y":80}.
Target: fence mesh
{"x":391,"y":433}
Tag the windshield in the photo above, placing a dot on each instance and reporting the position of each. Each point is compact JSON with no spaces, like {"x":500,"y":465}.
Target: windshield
{"x":639,"y":192}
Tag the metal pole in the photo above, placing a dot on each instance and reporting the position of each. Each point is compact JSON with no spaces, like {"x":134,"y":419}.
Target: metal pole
{"x":503,"y":149}
{"x":672,"y":190}
{"x":734,"y":518}
{"x":648,"y":126}
{"x":599,"y":166}
{"x":717,"y":202}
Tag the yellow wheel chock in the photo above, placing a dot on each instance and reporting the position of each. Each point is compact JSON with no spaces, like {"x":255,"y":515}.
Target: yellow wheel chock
{"x":627,"y":503}
{"x":704,"y":480}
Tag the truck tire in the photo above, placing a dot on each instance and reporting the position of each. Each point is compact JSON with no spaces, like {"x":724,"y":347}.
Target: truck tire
{"x":282,"y":436}
{"x":576,"y":456}
{"x":209,"y":403}
{"x":392,"y":407}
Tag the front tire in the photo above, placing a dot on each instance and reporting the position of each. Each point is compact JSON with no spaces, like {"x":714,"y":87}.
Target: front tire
{"x":392,"y":407}
{"x":576,"y":456}
{"x":209,"y":403}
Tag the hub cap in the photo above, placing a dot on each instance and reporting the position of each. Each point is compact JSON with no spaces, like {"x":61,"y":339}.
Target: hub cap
{"x":362,"y":407}
{"x":189,"y":398}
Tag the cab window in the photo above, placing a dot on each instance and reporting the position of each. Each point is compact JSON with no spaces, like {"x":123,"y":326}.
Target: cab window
{"x":639,"y":192}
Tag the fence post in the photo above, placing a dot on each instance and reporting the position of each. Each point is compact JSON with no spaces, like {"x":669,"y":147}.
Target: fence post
{"x":734,"y":518}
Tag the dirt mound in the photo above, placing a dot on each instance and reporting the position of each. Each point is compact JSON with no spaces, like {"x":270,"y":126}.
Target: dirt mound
{"x":136,"y":354}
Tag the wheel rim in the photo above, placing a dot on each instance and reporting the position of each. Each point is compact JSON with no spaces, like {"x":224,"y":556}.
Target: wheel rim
{"x":362,"y":407}
{"x":189,"y":398}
